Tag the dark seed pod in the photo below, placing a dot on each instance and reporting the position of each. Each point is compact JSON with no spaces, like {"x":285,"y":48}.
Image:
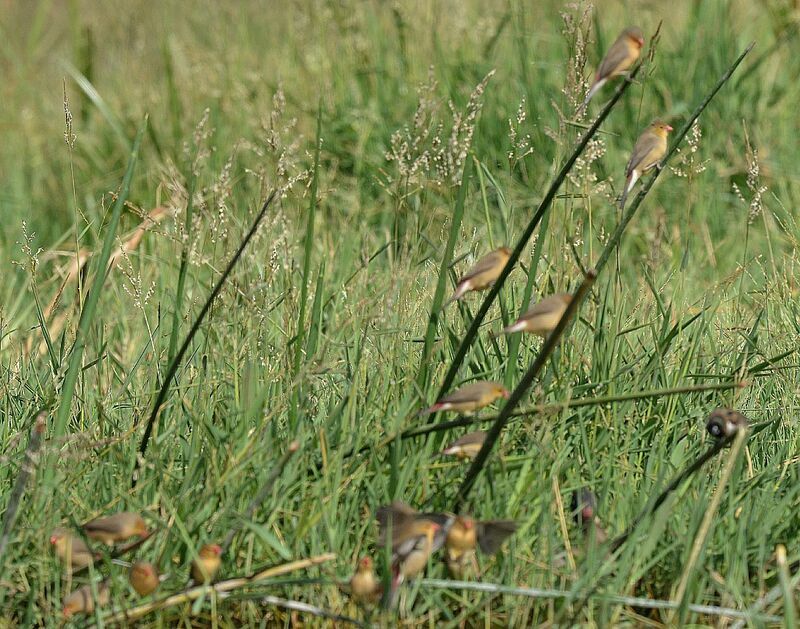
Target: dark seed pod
{"x":584,"y":506}
{"x":724,"y":423}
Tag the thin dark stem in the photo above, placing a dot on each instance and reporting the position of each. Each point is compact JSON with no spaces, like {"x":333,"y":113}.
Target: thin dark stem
{"x":472,"y":332}
{"x":25,"y":469}
{"x":294,"y":446}
{"x":173,"y":367}
{"x":521,"y":389}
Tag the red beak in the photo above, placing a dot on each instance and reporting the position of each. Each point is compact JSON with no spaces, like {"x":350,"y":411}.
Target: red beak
{"x":506,"y":394}
{"x":669,"y":128}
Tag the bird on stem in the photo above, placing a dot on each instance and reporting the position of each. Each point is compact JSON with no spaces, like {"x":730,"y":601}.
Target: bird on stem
{"x":466,"y":534}
{"x":71,"y":549}
{"x":116,"y":528}
{"x":365,"y":586}
{"x":648,"y":151}
{"x":471,"y":397}
{"x":466,"y":447}
{"x":208,"y":561}
{"x":620,"y":57}
{"x":82,"y":601}
{"x":482,"y":274}
{"x":143,"y":577}
{"x":542,"y":317}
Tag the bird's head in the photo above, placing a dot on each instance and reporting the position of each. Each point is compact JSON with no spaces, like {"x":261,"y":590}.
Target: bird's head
{"x":635,"y":36}
{"x":210,"y":550}
{"x":365,"y":564}
{"x":500,"y":391}
{"x":661,"y":128}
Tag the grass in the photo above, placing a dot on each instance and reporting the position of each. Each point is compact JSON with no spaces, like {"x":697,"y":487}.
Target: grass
{"x":328,"y":330}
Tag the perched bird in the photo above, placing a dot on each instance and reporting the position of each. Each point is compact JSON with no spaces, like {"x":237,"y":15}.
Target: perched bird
{"x":470,"y":397}
{"x":466,"y":447}
{"x":542,"y":317}
{"x":205,"y":567}
{"x":81,"y":600}
{"x":584,"y":509}
{"x":620,"y":57}
{"x":143,"y":577}
{"x":364,"y":585}
{"x":467,"y":534}
{"x":116,"y":528}
{"x":647,"y":152}
{"x":724,"y":423}
{"x":483,"y":274}
{"x":71,"y":549}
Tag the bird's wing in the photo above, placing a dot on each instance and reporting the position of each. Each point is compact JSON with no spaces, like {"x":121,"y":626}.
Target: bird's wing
{"x":468,"y":393}
{"x":103,"y":525}
{"x":478,"y":436}
{"x":616,"y":56}
{"x":546,"y":306}
{"x":646,"y":147}
{"x":492,"y":534}
{"x":486,"y":263}
{"x":397,"y":514}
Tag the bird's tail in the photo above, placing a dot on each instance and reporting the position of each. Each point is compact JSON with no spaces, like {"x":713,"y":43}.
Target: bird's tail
{"x":461,"y":290}
{"x":596,"y":86}
{"x":429,"y":410}
{"x":629,"y":182}
{"x":517,"y":326}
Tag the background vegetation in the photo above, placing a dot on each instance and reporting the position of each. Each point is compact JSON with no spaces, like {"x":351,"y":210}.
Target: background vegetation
{"x":318,"y":334}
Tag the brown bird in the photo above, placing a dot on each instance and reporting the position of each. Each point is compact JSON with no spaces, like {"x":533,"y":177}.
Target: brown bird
{"x":466,"y":447}
{"x":466,"y":534}
{"x":584,"y":509}
{"x":620,"y":57}
{"x":143,"y":577}
{"x":483,"y":274}
{"x":647,"y":153}
{"x":542,"y":317}
{"x":470,"y":397}
{"x":116,"y":528}
{"x":71,"y":549}
{"x":205,"y":567}
{"x":364,"y":585}
{"x":724,"y":423}
{"x":81,"y":600}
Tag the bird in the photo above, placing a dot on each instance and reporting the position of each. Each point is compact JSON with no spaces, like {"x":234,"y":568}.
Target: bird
{"x":466,"y":534}
{"x":71,"y":549}
{"x":724,"y":423}
{"x":482,"y":274}
{"x":647,"y":153}
{"x":364,"y":585}
{"x":143,"y":577}
{"x":116,"y":528}
{"x":620,"y":57}
{"x":466,"y":447}
{"x":205,"y":567}
{"x":584,"y":509}
{"x":82,"y":601}
{"x":471,"y":397}
{"x":542,"y":317}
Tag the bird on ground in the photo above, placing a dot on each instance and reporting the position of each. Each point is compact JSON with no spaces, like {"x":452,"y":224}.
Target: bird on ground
{"x":724,"y":423}
{"x":620,"y":57}
{"x":542,"y":317}
{"x":143,"y":577}
{"x":365,"y":587}
{"x":208,"y":561}
{"x":648,"y":151}
{"x":482,"y":274}
{"x":82,"y":601}
{"x":116,"y":528}
{"x":71,"y":549}
{"x":471,"y":397}
{"x":466,"y":447}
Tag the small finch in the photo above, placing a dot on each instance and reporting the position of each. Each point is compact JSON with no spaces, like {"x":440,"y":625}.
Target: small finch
{"x":364,"y":585}
{"x":466,"y":534}
{"x":647,"y":152}
{"x":584,"y":509}
{"x":71,"y":549}
{"x":483,"y":274}
{"x":81,"y":600}
{"x":466,"y":447}
{"x":470,"y":397}
{"x":205,"y":567}
{"x":143,"y":577}
{"x":723,"y":423}
{"x":542,"y":317}
{"x":116,"y":528}
{"x":620,"y":57}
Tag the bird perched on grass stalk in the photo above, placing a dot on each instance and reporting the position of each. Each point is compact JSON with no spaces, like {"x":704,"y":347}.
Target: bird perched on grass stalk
{"x":143,"y":577}
{"x":82,"y":601}
{"x":466,"y":447}
{"x":116,"y":528}
{"x":620,"y":57}
{"x":208,"y":561}
{"x":482,"y":274}
{"x":471,"y":397}
{"x":648,"y":151}
{"x":542,"y":317}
